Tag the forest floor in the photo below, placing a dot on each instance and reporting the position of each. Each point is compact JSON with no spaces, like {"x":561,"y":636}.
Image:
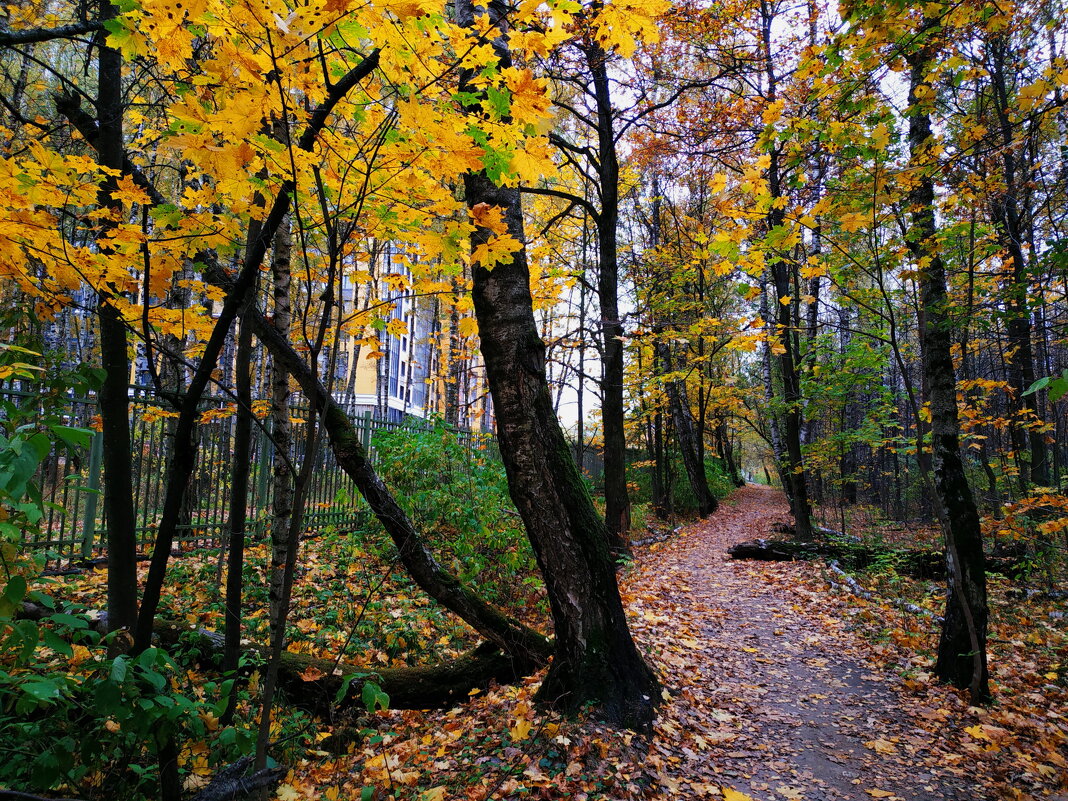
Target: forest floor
{"x":777,"y":686}
{"x":778,"y":683}
{"x":772,"y":696}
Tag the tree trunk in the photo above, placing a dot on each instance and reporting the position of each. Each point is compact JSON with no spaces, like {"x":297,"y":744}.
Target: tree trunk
{"x":1006,"y":215}
{"x":774,"y":430}
{"x":238,"y":511}
{"x":682,"y":420}
{"x":281,"y":427}
{"x":114,"y":392}
{"x":788,"y":360}
{"x":616,"y":499}
{"x":962,"y":645}
{"x":726,"y":453}
{"x":595,"y":661}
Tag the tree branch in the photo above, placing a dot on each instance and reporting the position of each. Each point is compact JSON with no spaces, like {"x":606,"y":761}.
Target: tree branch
{"x":10,"y":38}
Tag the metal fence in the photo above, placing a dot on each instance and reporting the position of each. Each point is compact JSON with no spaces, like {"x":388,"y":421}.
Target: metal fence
{"x":71,"y":483}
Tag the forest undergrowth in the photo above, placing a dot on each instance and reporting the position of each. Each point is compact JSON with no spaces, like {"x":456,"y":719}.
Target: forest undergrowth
{"x":737,"y":645}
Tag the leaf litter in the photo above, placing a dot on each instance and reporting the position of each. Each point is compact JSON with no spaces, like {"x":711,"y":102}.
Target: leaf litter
{"x":776,"y":687}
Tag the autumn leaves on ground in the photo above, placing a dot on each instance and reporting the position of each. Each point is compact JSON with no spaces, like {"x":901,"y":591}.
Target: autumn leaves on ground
{"x":778,"y":684}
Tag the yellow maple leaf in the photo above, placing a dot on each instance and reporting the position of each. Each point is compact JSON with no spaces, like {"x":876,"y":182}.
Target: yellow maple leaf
{"x":1032,"y":95}
{"x":433,"y":794}
{"x":397,"y":328}
{"x":495,"y":251}
{"x":530,"y":101}
{"x":881,"y":746}
{"x":521,"y":730}
{"x":880,"y":137}
{"x":773,"y":113}
{"x":734,"y":795}
{"x":468,"y":326}
{"x":852,"y":222}
{"x":528,"y":164}
{"x":492,"y":217}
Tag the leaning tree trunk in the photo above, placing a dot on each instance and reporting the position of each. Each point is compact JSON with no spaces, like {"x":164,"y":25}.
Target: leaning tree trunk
{"x":595,"y":661}
{"x":525,"y":647}
{"x":962,"y":645}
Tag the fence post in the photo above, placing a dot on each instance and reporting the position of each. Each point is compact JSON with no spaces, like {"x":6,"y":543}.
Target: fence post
{"x":266,"y":459}
{"x":96,"y":454}
{"x":367,"y":433}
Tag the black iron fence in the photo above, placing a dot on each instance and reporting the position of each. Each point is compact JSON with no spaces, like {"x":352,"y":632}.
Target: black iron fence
{"x":72,"y":482}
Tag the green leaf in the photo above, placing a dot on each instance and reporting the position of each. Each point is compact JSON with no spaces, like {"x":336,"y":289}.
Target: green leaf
{"x":70,"y":621}
{"x":45,"y":690}
{"x":15,"y":590}
{"x":499,"y":101}
{"x":1058,"y":388}
{"x":168,"y":215}
{"x":118,"y":670}
{"x":57,"y":643}
{"x":1042,"y":383}
{"x":373,"y":697}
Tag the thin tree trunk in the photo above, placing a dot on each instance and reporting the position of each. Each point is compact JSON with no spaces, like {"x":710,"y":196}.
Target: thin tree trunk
{"x":682,"y":420}
{"x":788,"y":360}
{"x":281,"y":427}
{"x":114,"y":392}
{"x":1007,"y":219}
{"x":238,"y":512}
{"x":616,"y":499}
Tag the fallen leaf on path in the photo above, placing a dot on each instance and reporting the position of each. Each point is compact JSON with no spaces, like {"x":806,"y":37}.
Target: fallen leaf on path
{"x":881,"y":746}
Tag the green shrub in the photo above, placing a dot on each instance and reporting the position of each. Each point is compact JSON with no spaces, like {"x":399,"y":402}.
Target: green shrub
{"x":458,"y":497}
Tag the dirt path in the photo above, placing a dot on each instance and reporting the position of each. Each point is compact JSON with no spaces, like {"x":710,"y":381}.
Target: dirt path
{"x":771,"y":694}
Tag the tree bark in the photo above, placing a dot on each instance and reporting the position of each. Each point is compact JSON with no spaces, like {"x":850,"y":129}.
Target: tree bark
{"x":114,"y":398}
{"x":788,"y":360}
{"x":616,"y":499}
{"x":238,"y":510}
{"x":281,"y":427}
{"x":683,"y":422}
{"x":1007,"y":218}
{"x":962,"y":644}
{"x":595,"y":661}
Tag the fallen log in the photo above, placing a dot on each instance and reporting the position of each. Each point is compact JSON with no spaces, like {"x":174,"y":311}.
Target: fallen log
{"x":314,"y":683}
{"x":235,"y":782}
{"x":850,"y":584}
{"x":914,"y":562}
